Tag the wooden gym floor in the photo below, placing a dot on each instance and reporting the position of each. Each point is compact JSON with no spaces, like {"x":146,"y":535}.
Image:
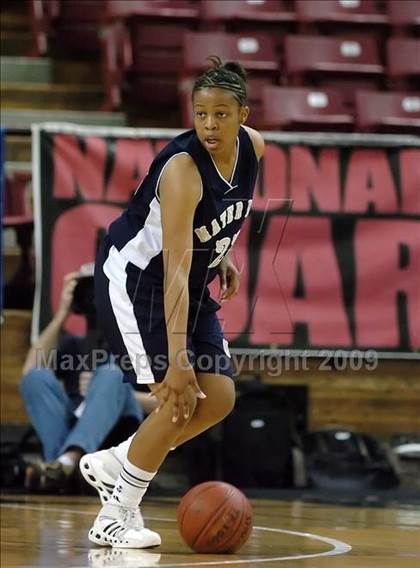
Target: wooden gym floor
{"x":51,"y":532}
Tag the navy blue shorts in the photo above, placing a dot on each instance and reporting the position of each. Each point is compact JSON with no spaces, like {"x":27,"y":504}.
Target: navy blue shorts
{"x":131,"y":314}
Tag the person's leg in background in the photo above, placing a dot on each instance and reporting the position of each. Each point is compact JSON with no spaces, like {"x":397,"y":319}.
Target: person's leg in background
{"x":65,"y":439}
{"x":50,"y":411}
{"x":107,"y":400}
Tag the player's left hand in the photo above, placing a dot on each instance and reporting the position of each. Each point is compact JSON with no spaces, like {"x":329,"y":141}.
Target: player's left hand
{"x":229,"y":280}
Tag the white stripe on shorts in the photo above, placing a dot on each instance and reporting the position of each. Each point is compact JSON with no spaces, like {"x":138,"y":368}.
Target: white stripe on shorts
{"x":114,"y":269}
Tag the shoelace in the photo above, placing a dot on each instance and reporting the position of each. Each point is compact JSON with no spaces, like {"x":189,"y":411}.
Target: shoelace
{"x":131,"y":518}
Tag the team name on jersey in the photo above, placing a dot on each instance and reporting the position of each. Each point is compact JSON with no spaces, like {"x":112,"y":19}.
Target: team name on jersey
{"x":235,"y":211}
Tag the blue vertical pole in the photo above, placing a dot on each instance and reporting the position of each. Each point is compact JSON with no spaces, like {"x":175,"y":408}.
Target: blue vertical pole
{"x":2,"y":176}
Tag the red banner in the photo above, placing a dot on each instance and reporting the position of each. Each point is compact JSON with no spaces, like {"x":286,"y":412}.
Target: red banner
{"x":329,"y":256}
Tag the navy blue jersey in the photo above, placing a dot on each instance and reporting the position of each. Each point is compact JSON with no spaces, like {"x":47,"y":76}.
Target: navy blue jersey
{"x":224,"y":205}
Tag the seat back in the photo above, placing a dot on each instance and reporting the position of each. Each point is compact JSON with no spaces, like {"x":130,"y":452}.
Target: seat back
{"x":70,"y":26}
{"x":290,"y":107}
{"x":265,"y":11}
{"x":76,"y":27}
{"x":404,"y":13}
{"x":157,"y":48}
{"x":403,"y":56}
{"x":160,"y":9}
{"x":388,"y":112}
{"x":361,"y":12}
{"x":254,"y":51}
{"x":327,"y":55}
{"x":344,"y":62}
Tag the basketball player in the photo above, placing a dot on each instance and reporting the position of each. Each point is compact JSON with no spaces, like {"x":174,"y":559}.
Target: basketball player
{"x":152,"y":274}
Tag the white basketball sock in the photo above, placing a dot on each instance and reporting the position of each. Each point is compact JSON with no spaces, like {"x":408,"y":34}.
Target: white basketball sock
{"x":121,"y":451}
{"x":131,"y":485}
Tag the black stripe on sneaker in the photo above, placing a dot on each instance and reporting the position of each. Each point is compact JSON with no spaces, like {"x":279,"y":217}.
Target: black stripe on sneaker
{"x":114,"y":530}
{"x":109,"y":527}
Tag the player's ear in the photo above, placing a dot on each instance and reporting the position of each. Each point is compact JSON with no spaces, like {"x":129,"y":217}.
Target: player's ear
{"x":243,"y":114}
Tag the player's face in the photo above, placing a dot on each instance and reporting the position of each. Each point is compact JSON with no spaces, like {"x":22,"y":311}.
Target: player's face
{"x":217,"y":118}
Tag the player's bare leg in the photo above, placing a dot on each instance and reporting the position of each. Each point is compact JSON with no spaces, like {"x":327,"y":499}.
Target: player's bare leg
{"x":119,"y":522}
{"x":220,"y":393}
{"x":158,"y":433}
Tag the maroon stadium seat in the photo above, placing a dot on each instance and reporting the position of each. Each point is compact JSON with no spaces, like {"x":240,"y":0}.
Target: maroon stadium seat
{"x":242,"y":11}
{"x":388,"y":112}
{"x":333,"y":60}
{"x":338,"y":14}
{"x":67,"y":25}
{"x":272,"y":17}
{"x":255,"y":51}
{"x":142,"y":48}
{"x":164,"y":9}
{"x":404,"y":15}
{"x":403,"y":56}
{"x":303,"y":108}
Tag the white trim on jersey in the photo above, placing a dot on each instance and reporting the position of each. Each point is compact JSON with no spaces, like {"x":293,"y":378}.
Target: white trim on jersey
{"x":114,"y":269}
{"x":229,"y":182}
{"x":148,"y":242}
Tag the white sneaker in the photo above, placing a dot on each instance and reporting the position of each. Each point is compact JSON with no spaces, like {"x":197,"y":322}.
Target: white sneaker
{"x":101,"y":470}
{"x":122,"y":527}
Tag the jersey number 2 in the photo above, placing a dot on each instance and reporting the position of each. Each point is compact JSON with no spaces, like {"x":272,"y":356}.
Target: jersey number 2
{"x":222,"y":248}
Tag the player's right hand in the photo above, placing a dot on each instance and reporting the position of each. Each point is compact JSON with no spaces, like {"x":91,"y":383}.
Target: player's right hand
{"x":180,"y":389}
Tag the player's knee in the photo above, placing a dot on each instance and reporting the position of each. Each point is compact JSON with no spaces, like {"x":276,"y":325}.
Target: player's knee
{"x":109,"y":379}
{"x":35,"y":380}
{"x":225,"y":399}
{"x":228,"y":396}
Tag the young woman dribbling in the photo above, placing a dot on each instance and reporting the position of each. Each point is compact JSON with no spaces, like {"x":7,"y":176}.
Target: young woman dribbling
{"x":155,"y":308}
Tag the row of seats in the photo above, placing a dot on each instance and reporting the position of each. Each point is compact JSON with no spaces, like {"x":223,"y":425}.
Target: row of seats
{"x":327,"y":109}
{"x":331,"y":16}
{"x":152,"y":49}
{"x":157,"y":73}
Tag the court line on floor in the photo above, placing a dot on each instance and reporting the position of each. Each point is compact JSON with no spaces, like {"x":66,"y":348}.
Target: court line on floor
{"x":339,"y":547}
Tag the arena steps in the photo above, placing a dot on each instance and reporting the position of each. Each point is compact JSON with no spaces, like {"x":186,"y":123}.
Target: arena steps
{"x":51,"y":96}
{"x":67,"y":71}
{"x":25,"y":70}
{"x":15,"y":17}
{"x":21,"y":120}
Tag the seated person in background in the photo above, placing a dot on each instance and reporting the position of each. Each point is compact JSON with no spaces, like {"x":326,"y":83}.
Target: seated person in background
{"x":74,"y":415}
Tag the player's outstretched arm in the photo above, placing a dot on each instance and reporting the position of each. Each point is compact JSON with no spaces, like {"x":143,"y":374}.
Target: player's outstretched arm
{"x":180,"y":192}
{"x":40,"y":351}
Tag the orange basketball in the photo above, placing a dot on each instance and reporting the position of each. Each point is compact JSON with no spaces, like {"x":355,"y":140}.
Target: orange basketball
{"x":215,"y":517}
